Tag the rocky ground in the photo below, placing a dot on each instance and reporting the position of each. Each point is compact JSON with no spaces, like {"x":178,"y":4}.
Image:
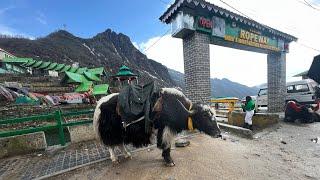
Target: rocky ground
{"x":288,"y":151}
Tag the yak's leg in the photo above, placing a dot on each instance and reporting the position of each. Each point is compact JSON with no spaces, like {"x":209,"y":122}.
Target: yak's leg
{"x":126,"y":153}
{"x":167,"y":137}
{"x":113,"y":156}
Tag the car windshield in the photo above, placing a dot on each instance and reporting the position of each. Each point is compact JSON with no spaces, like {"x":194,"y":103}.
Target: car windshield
{"x":263,"y":92}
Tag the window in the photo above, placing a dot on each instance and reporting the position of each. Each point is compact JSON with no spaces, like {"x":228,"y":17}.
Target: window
{"x":263,"y":92}
{"x":290,"y":89}
{"x":302,"y":88}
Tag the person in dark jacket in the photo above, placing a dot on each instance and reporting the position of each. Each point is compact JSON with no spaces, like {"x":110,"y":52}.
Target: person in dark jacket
{"x":248,"y":107}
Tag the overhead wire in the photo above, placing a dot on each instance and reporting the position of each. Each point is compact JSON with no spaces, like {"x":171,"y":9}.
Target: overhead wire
{"x":146,"y":49}
{"x":157,"y":41}
{"x":310,"y":5}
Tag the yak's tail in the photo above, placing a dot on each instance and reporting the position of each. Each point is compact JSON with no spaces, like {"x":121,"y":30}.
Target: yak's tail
{"x":97,"y":117}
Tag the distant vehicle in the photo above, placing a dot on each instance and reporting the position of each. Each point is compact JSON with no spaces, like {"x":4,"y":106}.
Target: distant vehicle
{"x":302,"y":92}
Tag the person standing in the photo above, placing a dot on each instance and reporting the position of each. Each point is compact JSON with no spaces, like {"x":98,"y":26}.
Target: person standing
{"x":248,"y":107}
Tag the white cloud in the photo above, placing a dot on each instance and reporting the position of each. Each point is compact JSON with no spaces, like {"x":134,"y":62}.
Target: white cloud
{"x":136,"y":45}
{"x":41,"y":18}
{"x":7,"y":30}
{"x":245,"y":67}
{"x":3,"y":10}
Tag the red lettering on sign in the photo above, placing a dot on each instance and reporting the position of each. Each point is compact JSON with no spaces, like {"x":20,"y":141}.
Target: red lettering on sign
{"x":205,"y":23}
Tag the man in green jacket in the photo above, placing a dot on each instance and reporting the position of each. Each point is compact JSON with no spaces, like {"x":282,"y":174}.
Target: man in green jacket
{"x":248,"y":107}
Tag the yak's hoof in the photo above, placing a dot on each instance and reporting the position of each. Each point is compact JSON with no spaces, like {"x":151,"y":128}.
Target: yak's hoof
{"x":115,"y":161}
{"x":170,"y":164}
{"x":128,"y":156}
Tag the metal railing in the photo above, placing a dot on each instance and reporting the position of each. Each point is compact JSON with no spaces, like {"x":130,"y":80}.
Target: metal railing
{"x":58,"y":116}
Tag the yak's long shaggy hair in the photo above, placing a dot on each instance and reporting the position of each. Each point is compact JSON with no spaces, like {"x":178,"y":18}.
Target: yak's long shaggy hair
{"x":109,"y":129}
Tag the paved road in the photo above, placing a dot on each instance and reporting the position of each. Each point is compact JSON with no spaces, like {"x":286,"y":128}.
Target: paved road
{"x":286,"y":152}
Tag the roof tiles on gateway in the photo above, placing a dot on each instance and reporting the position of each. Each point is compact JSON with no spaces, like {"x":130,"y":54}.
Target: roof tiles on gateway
{"x":170,"y":13}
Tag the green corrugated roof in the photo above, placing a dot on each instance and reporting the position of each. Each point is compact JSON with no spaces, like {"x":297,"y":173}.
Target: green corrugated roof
{"x":73,"y":69}
{"x":65,"y":68}
{"x":75,"y":78}
{"x":44,"y":65}
{"x":97,"y":71}
{"x":91,"y":76}
{"x":51,"y":66}
{"x":15,"y":60}
{"x":59,"y":67}
{"x":101,"y":89}
{"x":83,"y":87}
{"x":30,"y":62}
{"x":37,"y":64}
{"x":81,"y":70}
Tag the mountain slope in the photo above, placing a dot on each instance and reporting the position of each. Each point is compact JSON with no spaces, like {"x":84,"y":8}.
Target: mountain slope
{"x":107,"y":49}
{"x":219,"y":87}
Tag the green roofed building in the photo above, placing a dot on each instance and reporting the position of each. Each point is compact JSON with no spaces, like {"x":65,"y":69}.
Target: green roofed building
{"x":15,"y":60}
{"x":12,"y":64}
{"x":65,"y":68}
{"x":51,"y":66}
{"x":73,"y":69}
{"x":101,"y":89}
{"x":81,"y":70}
{"x":124,"y":71}
{"x":29,"y":63}
{"x":84,"y":87}
{"x":37,"y":64}
{"x":124,"y":77}
{"x":98,"y":71}
{"x":44,"y":65}
{"x":59,"y":67}
{"x":74,"y":78}
{"x":91,"y":76}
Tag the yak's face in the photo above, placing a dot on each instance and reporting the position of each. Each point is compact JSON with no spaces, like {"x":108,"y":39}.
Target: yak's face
{"x":204,"y":120}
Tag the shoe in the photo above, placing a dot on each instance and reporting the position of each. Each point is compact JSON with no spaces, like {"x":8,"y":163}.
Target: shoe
{"x":245,"y":125}
{"x":250,"y":127}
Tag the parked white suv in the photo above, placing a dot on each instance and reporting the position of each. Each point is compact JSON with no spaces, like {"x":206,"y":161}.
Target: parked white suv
{"x":302,"y":91}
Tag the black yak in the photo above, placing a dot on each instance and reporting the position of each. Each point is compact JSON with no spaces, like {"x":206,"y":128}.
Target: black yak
{"x":171,"y":112}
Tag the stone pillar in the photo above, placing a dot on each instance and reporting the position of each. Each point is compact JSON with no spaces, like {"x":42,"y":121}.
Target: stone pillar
{"x":276,"y":82}
{"x":197,"y":66}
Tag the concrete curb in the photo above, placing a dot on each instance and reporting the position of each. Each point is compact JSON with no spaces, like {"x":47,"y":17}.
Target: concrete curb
{"x":246,"y":133}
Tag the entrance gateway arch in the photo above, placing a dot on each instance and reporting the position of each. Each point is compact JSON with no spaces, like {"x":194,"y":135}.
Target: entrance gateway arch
{"x":200,"y":23}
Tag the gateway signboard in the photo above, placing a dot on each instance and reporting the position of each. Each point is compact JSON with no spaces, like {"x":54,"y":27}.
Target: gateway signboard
{"x":218,"y":27}
{"x":250,"y":38}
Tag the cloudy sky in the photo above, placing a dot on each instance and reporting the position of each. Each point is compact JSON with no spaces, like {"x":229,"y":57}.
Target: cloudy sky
{"x":139,"y":20}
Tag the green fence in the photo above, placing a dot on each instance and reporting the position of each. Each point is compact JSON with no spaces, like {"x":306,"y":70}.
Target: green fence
{"x":58,"y":116}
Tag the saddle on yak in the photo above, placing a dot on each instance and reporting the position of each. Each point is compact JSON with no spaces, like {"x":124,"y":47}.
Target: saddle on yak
{"x":135,"y":102}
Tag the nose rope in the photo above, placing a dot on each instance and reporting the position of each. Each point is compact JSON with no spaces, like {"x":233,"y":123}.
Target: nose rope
{"x":190,"y":124}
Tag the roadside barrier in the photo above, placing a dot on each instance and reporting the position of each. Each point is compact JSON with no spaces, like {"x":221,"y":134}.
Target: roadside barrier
{"x":59,"y":123}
